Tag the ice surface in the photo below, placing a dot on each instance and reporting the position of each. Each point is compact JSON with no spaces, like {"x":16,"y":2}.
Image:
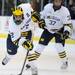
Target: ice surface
{"x":48,"y":63}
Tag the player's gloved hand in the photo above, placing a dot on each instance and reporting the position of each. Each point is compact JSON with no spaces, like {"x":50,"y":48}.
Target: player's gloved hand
{"x":28,"y":45}
{"x":16,"y":42}
{"x":66,"y":34}
{"x":35,"y":16}
{"x":42,"y":23}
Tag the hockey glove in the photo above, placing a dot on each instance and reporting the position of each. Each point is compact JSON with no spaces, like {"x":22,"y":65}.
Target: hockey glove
{"x":35,"y":16}
{"x":28,"y":45}
{"x":42,"y":23}
{"x":16,"y":42}
{"x":66,"y":35}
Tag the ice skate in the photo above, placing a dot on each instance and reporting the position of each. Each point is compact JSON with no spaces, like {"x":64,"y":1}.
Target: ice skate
{"x":64,"y":65}
{"x":34,"y":69}
{"x":5,"y":60}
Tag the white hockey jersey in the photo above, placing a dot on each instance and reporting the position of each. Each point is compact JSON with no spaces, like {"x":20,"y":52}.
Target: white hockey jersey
{"x":55,"y":19}
{"x":26,"y":25}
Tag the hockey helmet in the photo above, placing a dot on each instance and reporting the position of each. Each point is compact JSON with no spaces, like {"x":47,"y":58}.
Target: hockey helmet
{"x":17,"y":12}
{"x":18,"y":15}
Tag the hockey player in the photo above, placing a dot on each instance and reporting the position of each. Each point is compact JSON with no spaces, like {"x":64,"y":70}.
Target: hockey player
{"x":56,"y":22}
{"x":20,"y":32}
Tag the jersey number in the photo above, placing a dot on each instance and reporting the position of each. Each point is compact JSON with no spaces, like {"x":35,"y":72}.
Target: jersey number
{"x":51,"y":22}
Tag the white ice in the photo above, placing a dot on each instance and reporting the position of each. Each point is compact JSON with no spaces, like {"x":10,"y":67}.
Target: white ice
{"x":48,"y":63}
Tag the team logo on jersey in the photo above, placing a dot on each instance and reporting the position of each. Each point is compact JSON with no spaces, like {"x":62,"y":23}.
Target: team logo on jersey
{"x":53,"y":17}
{"x":28,"y":20}
{"x":25,"y":26}
{"x":27,"y":14}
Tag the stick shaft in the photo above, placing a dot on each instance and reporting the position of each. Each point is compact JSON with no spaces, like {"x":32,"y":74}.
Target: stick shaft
{"x":24,"y":63}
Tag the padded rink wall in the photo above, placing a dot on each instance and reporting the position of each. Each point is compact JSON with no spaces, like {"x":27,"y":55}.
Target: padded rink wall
{"x":3,"y":26}
{"x":69,"y":43}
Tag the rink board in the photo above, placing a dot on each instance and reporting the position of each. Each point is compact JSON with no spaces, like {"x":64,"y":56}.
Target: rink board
{"x":36,"y":38}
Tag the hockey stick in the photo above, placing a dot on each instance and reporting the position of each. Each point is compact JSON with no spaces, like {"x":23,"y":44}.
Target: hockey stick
{"x":24,"y":63}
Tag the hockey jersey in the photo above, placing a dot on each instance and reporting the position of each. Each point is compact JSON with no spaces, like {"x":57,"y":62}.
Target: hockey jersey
{"x":16,"y":30}
{"x":55,"y":19}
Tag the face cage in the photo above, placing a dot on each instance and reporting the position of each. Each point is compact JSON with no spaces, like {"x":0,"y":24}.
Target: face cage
{"x":18,"y":22}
